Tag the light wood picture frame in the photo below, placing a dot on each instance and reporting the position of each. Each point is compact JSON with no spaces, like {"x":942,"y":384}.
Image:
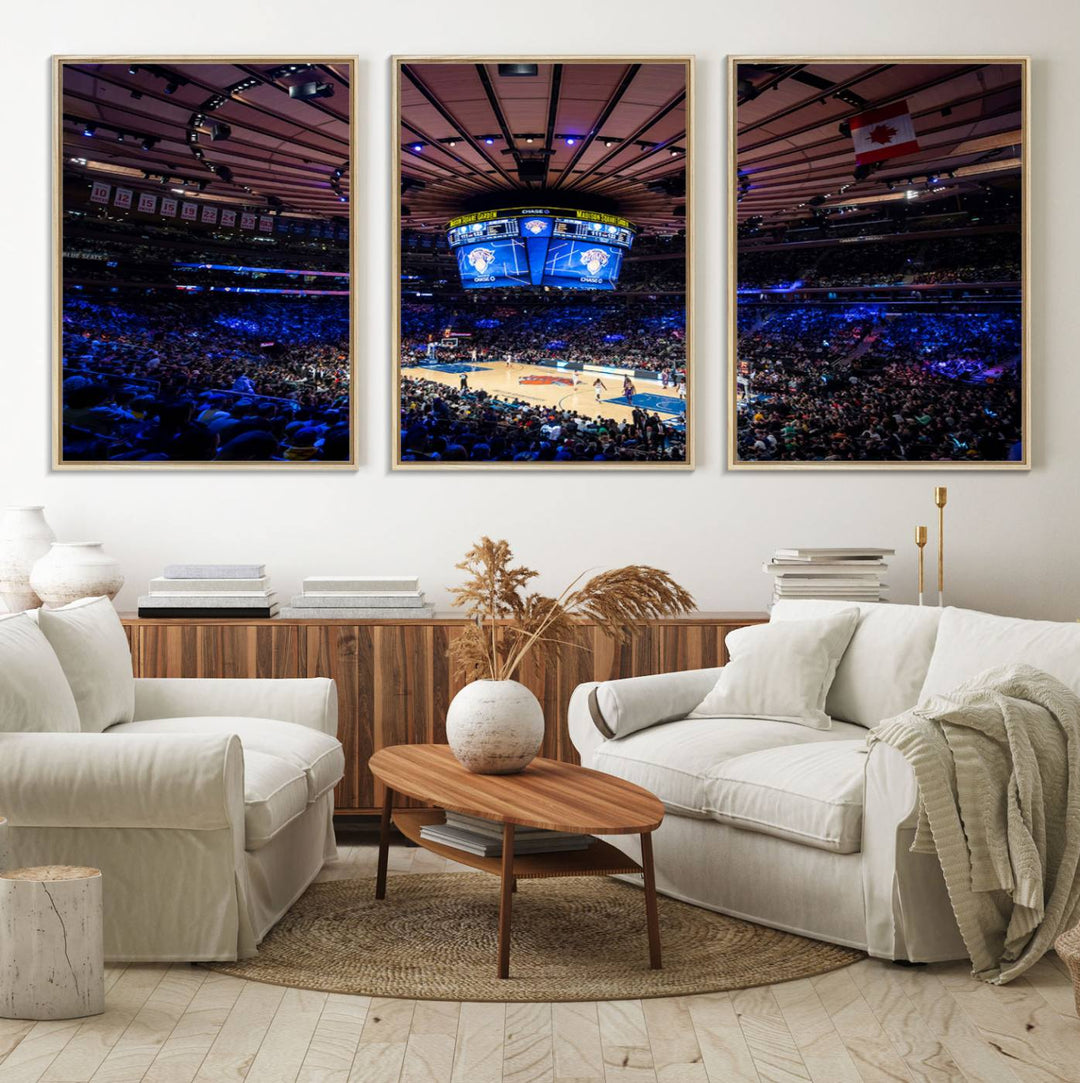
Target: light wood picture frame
{"x":205,"y":246}
{"x":542,"y":266}
{"x":879,"y":263}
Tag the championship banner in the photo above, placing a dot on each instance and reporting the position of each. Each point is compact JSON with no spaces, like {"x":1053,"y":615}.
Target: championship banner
{"x":883,"y":133}
{"x":147,"y":202}
{"x":168,"y":206}
{"x":189,"y":212}
{"x":99,"y":193}
{"x":123,"y":198}
{"x":228,"y":218}
{"x":266,"y":224}
{"x":209,"y":214}
{"x":247,"y":221}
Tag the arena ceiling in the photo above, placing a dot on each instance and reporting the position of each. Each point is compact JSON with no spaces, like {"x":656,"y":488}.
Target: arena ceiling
{"x":152,"y":124}
{"x":791,"y":150}
{"x":612,"y":134}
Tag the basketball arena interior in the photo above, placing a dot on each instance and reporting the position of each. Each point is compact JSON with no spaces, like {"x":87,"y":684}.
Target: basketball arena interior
{"x":879,"y":306}
{"x":543,"y":262}
{"x":206,"y":259}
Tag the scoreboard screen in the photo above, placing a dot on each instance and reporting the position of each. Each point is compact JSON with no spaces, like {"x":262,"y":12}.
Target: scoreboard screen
{"x":538,"y":247}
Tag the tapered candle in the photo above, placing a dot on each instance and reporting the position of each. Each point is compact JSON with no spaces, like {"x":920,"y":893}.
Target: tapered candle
{"x":941,"y":495}
{"x":920,"y":541}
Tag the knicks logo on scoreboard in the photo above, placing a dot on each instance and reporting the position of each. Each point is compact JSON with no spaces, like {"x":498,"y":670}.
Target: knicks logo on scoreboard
{"x":535,"y":226}
{"x":481,"y":259}
{"x":595,"y":259}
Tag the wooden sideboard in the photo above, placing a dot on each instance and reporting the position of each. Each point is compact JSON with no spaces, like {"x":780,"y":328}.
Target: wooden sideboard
{"x":393,"y":679}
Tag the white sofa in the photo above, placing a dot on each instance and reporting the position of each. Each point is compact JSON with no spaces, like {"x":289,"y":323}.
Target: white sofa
{"x":804,"y":829}
{"x":207,"y":804}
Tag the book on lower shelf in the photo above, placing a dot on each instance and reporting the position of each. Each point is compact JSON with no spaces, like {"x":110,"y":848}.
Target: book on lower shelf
{"x":483,"y":838}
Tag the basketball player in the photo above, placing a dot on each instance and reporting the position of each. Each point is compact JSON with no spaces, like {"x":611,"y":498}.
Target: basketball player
{"x":598,"y":386}
{"x":472,"y":355}
{"x":463,"y":381}
{"x":681,"y":388}
{"x":509,"y":362}
{"x":629,"y":391}
{"x":665,"y":378}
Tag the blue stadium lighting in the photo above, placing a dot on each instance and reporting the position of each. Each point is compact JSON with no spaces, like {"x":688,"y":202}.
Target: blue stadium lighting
{"x":570,"y":140}
{"x":88,"y":130}
{"x":241,"y":269}
{"x":417,"y":147}
{"x":489,"y":141}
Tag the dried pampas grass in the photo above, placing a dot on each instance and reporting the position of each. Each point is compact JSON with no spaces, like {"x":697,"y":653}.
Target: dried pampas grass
{"x":509,"y":623}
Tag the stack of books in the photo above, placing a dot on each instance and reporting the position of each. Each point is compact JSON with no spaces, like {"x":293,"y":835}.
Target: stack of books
{"x":849,"y":575}
{"x":360,"y":597}
{"x":484,"y":837}
{"x":210,"y":590}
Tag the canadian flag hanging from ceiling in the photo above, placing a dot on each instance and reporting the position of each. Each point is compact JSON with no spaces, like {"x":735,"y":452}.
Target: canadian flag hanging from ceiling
{"x":883,"y":133}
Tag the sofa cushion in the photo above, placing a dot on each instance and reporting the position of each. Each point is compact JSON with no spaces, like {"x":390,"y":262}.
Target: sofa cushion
{"x":808,"y":793}
{"x":93,"y":650}
{"x":317,"y":754}
{"x":624,"y":706}
{"x":781,"y":671}
{"x":275,"y":793}
{"x":970,"y":642}
{"x":885,"y":663}
{"x":678,"y":761}
{"x":34,"y":693}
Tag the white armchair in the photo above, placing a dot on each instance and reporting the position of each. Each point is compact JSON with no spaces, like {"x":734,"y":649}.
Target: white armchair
{"x":207,"y":804}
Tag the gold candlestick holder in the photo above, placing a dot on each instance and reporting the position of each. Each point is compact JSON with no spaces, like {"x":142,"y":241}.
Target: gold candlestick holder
{"x":941,"y":495}
{"x":920,"y":541}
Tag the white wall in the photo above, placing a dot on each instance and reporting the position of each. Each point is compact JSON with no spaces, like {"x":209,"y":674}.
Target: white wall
{"x":1013,"y":538}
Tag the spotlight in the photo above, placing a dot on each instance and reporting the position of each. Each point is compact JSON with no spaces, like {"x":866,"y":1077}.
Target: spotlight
{"x":343,"y":199}
{"x":570,"y":140}
{"x":133,"y":69}
{"x":417,"y":147}
{"x":216,"y":129}
{"x":452,"y":143}
{"x":149,"y":143}
{"x":307,"y":91}
{"x":674,"y":153}
{"x":529,"y":140}
{"x":120,"y":137}
{"x":489,"y":141}
{"x":172,"y":86}
{"x":608,"y":143}
{"x":88,"y":130}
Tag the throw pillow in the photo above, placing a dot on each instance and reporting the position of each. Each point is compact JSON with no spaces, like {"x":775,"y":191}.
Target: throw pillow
{"x":34,"y":694}
{"x":781,"y":671}
{"x":90,"y":642}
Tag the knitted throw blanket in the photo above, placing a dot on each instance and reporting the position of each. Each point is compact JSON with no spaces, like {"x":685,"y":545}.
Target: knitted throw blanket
{"x":998,"y":766}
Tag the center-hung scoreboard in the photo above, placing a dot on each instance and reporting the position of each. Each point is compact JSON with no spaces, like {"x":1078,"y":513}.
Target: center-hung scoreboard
{"x":532,"y":246}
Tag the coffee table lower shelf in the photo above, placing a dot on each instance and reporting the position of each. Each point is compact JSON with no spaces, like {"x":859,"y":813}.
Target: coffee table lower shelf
{"x":600,"y":859}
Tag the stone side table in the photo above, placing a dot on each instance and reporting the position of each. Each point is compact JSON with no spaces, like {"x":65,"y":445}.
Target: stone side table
{"x":52,"y":956}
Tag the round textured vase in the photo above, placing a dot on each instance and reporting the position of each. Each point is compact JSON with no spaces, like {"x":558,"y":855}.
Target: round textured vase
{"x":24,"y":538}
{"x":495,"y":727}
{"x":74,"y":570}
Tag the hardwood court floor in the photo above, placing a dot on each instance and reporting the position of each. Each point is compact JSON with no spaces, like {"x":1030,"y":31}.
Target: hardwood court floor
{"x":496,"y":379}
{"x":871,"y":1021}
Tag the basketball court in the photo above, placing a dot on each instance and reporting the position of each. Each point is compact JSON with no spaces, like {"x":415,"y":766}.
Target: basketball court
{"x":557,"y":390}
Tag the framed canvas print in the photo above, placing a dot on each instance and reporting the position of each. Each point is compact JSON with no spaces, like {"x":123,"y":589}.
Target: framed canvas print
{"x":542,"y":263}
{"x":878,"y":263}
{"x":205,"y":242}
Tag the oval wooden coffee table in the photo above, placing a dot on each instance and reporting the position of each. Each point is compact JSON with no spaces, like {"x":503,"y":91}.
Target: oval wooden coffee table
{"x":547,"y":794}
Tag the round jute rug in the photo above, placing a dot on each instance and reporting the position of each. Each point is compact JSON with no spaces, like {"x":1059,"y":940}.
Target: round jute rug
{"x":434,"y":937}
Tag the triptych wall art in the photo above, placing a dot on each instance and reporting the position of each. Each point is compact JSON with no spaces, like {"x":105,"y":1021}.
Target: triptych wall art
{"x":542,"y":263}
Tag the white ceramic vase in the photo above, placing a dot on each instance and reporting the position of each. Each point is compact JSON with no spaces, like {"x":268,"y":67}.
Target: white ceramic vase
{"x":74,"y":570}
{"x":25,"y":537}
{"x":495,"y":727}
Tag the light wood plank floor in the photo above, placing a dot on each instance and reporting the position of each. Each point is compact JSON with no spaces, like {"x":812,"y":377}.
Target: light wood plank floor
{"x":872,"y":1021}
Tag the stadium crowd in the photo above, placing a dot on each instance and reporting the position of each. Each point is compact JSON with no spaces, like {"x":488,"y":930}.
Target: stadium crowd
{"x":860,"y":384}
{"x":203,"y":379}
{"x":441,"y":424}
{"x":542,"y":328}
